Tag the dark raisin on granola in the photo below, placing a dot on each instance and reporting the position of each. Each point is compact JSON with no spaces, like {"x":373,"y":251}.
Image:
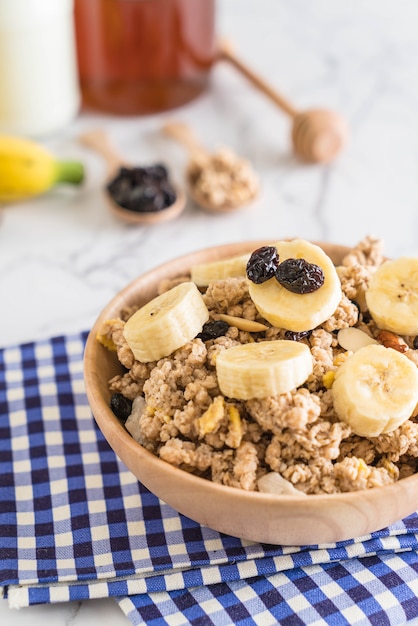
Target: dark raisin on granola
{"x":262,"y":264}
{"x":366,"y":317}
{"x":213,"y":329}
{"x":415,"y":343}
{"x":121,"y":406}
{"x":299,"y":276}
{"x":293,"y":336}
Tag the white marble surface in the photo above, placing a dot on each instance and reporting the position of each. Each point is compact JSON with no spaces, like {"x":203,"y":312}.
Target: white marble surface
{"x":62,"y":256}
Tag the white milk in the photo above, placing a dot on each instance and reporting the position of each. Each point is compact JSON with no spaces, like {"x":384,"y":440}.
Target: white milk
{"x":39,"y":91}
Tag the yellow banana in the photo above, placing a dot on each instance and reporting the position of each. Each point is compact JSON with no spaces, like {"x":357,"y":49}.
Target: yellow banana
{"x":28,"y":169}
{"x":296,"y":311}
{"x":166,"y":323}
{"x":260,"y":370}
{"x":375,"y":390}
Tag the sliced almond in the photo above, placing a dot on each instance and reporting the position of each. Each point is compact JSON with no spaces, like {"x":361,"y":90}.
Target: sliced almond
{"x":353,"y":339}
{"x":243,"y":324}
{"x":275,"y":483}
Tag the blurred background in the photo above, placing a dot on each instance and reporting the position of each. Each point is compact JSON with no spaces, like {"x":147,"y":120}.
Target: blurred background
{"x":67,"y":255}
{"x":64,"y":255}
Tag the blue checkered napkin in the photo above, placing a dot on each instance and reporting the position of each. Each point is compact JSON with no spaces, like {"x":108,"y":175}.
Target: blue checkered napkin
{"x":374,"y":590}
{"x":75,"y":524}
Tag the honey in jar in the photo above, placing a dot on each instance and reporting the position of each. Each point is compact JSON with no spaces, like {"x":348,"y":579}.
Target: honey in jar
{"x":143,"y":56}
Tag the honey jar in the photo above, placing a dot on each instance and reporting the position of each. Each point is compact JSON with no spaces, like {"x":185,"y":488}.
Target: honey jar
{"x":143,"y":56}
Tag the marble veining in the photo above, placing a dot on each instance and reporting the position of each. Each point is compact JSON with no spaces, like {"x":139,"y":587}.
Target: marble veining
{"x":63,"y":256}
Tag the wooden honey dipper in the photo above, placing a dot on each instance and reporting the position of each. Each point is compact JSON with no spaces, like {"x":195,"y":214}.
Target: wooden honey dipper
{"x":318,"y":135}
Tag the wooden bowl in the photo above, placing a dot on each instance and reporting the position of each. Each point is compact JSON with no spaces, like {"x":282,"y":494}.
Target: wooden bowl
{"x":260,"y":517}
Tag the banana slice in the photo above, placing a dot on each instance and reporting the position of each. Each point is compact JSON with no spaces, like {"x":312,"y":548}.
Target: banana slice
{"x":293,"y":311}
{"x":392,"y":296}
{"x":166,"y":323}
{"x":375,"y":390}
{"x":260,"y":370}
{"x":204,"y":273}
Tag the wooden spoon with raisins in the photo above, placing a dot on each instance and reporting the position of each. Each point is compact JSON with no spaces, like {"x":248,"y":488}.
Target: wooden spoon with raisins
{"x":136,"y":194}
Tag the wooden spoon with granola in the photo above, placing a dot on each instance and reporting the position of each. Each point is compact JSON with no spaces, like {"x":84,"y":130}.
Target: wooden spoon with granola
{"x":219,"y":182}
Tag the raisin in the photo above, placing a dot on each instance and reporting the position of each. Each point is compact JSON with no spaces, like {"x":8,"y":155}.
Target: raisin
{"x":213,"y":329}
{"x":293,"y":336}
{"x":367,"y":318}
{"x":158,"y":171}
{"x":262,"y":264}
{"x":299,"y":276}
{"x":142,"y":189}
{"x":121,"y":406}
{"x":415,"y":344}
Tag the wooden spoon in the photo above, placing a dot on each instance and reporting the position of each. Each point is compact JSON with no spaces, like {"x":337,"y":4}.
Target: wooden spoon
{"x":318,"y":135}
{"x":242,"y":190}
{"x":98,"y":140}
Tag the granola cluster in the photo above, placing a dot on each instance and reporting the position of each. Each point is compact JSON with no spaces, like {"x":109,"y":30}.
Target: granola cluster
{"x":223,"y":180}
{"x":179,"y":413}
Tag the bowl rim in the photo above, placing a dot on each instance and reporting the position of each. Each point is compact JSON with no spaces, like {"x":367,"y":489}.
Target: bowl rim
{"x":107,"y":421}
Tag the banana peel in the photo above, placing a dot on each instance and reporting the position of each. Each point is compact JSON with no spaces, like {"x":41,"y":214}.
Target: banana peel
{"x":27,"y":169}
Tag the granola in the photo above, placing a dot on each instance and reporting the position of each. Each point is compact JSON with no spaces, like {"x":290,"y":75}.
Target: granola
{"x":180,"y":414}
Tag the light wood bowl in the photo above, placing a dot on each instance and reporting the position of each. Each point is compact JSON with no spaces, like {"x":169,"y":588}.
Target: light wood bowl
{"x":273,"y":519}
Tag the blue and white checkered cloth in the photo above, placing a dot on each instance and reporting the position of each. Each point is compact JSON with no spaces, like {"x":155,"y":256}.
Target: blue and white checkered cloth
{"x":75,"y":524}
